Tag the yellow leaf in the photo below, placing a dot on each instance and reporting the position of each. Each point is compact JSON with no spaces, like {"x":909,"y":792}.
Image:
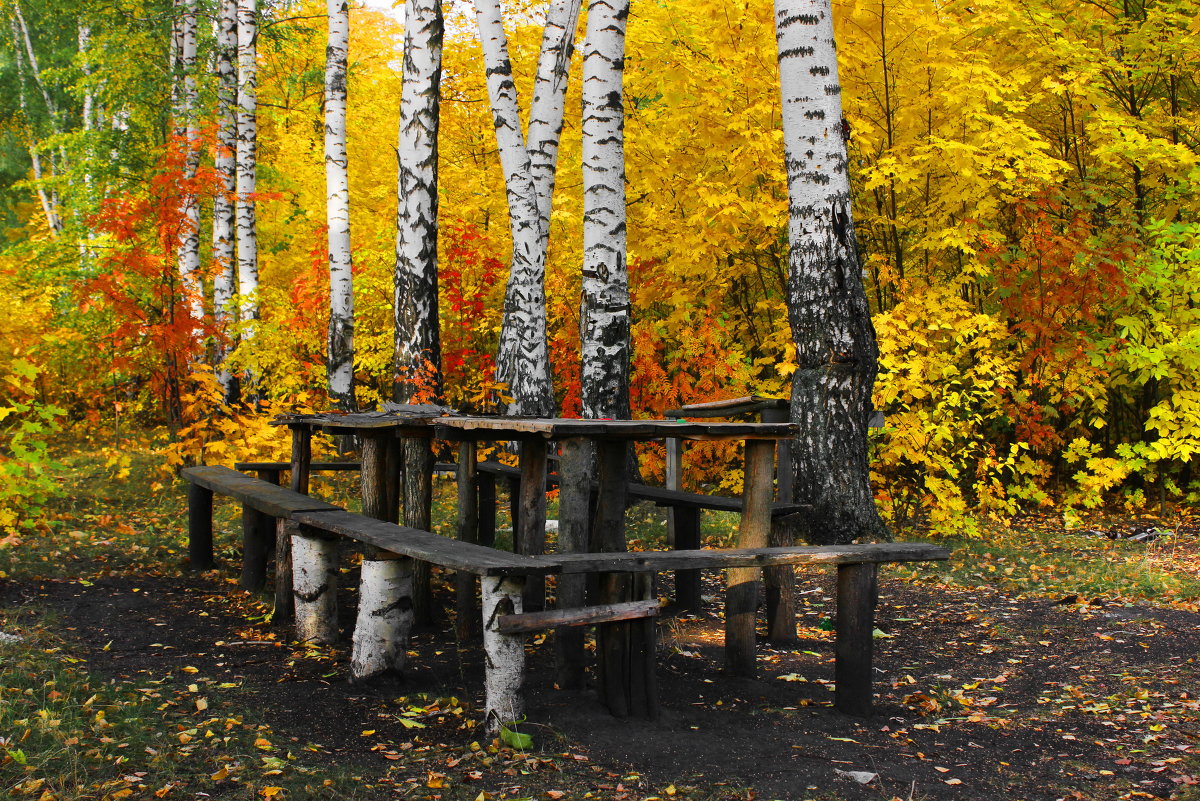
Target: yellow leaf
{"x":271,"y":792}
{"x":221,"y":775}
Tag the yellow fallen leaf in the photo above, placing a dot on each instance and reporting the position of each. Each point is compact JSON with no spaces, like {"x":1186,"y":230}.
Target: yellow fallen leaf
{"x":201,"y":704}
{"x":221,"y":775}
{"x":670,"y":790}
{"x":953,"y":781}
{"x":368,"y":732}
{"x":270,"y":792}
{"x":435,"y":781}
{"x":190,"y":669}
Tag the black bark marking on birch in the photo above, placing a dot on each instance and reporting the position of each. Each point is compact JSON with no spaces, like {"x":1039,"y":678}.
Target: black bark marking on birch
{"x":402,"y":604}
{"x":309,"y":597}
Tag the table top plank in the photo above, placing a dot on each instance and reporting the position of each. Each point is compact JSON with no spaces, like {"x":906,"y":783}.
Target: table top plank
{"x":502,"y":428}
{"x":656,"y":561}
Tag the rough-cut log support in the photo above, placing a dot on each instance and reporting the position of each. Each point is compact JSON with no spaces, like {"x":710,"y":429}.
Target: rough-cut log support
{"x":393,"y":479}
{"x":418,"y":510}
{"x":574,"y":469}
{"x":531,"y":541}
{"x":376,"y":502}
{"x":467,"y":617}
{"x":741,"y":595}
{"x":487,"y":509}
{"x":258,"y":536}
{"x":856,"y":599}
{"x":301,"y":463}
{"x":687,"y":538}
{"x":314,"y":573}
{"x":504,"y":654}
{"x":385,"y":617}
{"x":200,"y":532}
{"x":673,"y":480}
{"x":514,"y":510}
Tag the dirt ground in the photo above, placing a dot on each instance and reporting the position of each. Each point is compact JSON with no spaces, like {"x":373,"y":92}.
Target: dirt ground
{"x":980,"y":696}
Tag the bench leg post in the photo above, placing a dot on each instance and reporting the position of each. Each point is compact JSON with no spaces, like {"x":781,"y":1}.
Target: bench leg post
{"x":743,"y":583}
{"x":258,"y":532}
{"x":856,"y":598}
{"x":504,"y":654}
{"x":573,"y":514}
{"x":487,"y":509}
{"x":385,"y":616}
{"x":418,"y":505}
{"x":284,"y":605}
{"x":467,"y":617}
{"x":530,"y":529}
{"x":687,"y":538}
{"x":315,"y":571}
{"x":200,"y":528}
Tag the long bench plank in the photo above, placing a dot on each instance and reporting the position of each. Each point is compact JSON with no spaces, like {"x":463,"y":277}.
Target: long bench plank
{"x":253,"y":492}
{"x":580,"y":616}
{"x":424,"y":545}
{"x":655,"y":561}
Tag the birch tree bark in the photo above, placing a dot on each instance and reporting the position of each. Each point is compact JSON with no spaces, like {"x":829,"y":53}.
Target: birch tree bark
{"x":187,"y":133}
{"x":340,"y":364}
{"x":418,"y":350}
{"x":523,"y":360}
{"x":604,"y":326}
{"x":21,"y":46}
{"x":224,"y":217}
{"x":247,"y":166}
{"x":836,"y":352}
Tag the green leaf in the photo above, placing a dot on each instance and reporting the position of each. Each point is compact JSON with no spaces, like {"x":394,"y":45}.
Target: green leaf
{"x":516,"y":739}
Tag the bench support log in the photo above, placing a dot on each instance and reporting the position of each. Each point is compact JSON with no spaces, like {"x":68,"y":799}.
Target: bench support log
{"x":487,"y":508}
{"x":504,"y":654}
{"x":575,"y":467}
{"x":742,"y":583}
{"x":856,"y":599}
{"x":385,"y":616}
{"x":418,"y":503}
{"x":200,"y":529}
{"x":258,"y":539}
{"x":687,"y":538}
{"x":529,"y":530}
{"x":467,"y":616}
{"x":314,"y":573}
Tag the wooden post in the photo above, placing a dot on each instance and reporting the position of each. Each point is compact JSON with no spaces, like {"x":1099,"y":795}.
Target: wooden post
{"x":315,"y":572}
{"x":418,"y":506}
{"x":574,"y":495}
{"x":780,"y":581}
{"x":514,"y":510}
{"x":376,"y":502}
{"x":301,"y":463}
{"x":200,"y":527}
{"x":504,"y":654}
{"x":258,"y":539}
{"x":687,"y":538}
{"x":467,"y":618}
{"x":673,"y":480}
{"x":742,"y":584}
{"x":385,"y":616}
{"x":856,"y":599}
{"x":487,"y":509}
{"x":531,"y":534}
{"x":393,"y":479}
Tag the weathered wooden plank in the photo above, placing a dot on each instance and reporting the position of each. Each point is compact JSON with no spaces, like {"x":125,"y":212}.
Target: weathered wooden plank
{"x":426,"y":545}
{"x":578,"y":616}
{"x":315,"y":467}
{"x":730,"y":407}
{"x":856,"y":597}
{"x":743,"y":584}
{"x":518,"y":428}
{"x":656,"y":561}
{"x":265,"y":497}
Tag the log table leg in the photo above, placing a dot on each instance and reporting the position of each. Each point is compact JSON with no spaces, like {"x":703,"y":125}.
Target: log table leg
{"x":315,"y":572}
{"x":742,"y":584}
{"x":200,"y":527}
{"x":467,"y":617}
{"x":687,"y":538}
{"x":301,"y":464}
{"x":487,"y":509}
{"x":385,"y":598}
{"x":418,"y":506}
{"x":530,"y":535}
{"x":258,"y":539}
{"x":504,"y":654}
{"x":856,"y":599}
{"x":574,"y":495}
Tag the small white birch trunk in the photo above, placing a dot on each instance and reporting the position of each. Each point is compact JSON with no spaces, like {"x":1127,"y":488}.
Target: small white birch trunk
{"x":88,"y":124}
{"x":385,"y":617}
{"x":417,"y":337}
{"x":836,"y":352}
{"x":504,"y":654}
{"x":187,"y":133}
{"x":523,"y":361}
{"x":314,"y":585}
{"x":604,"y":324}
{"x":247,"y":166}
{"x":340,"y":364}
{"x":224,"y":225}
{"x":48,"y":199}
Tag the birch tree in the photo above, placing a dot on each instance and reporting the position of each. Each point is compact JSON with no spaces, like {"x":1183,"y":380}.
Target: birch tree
{"x":340,"y":365}
{"x":604,"y":326}
{"x":523,"y":360}
{"x":836,"y":352}
{"x":27,"y":69}
{"x":187,"y":133}
{"x":224,"y":217}
{"x":247,"y":167}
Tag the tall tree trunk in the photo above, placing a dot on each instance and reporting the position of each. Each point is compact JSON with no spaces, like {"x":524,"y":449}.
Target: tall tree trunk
{"x":224,"y":218}
{"x":47,"y":197}
{"x":247,"y":166}
{"x":340,"y":365}
{"x":604,"y":326}
{"x":418,"y":350}
{"x":836,"y":352}
{"x":187,"y":135}
{"x":523,"y":361}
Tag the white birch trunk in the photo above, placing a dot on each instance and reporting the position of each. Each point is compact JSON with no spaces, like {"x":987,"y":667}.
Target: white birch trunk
{"x":604,"y":325}
{"x":224,"y":225}
{"x":314,"y":585}
{"x":504,"y":654}
{"x":384,"y":617}
{"x":523,"y":361}
{"x":188,"y":131}
{"x":340,"y":364}
{"x":827,"y":305}
{"x":417,"y":337}
{"x":247,"y":166}
{"x":47,"y":198}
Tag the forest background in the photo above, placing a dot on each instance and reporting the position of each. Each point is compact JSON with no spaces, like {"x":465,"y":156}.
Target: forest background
{"x":1027,"y":199}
